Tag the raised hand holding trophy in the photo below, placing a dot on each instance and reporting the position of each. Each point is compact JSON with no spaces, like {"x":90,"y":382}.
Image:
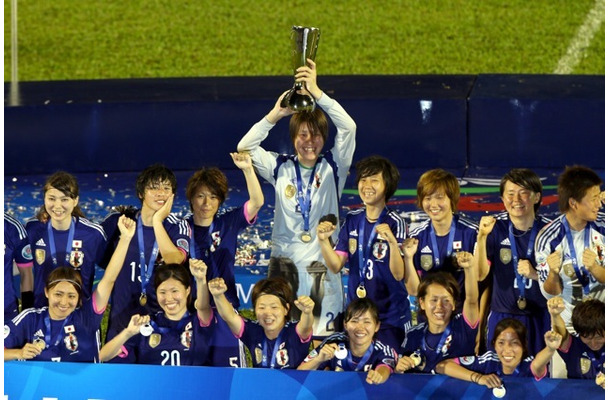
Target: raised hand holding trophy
{"x":305,"y":46}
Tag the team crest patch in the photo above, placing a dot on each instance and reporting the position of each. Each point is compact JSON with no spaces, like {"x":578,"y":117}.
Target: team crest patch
{"x":40,"y":256}
{"x":585,"y":365}
{"x":183,"y":244}
{"x":281,"y":357}
{"x":76,"y":258}
{"x":353,"y":245}
{"x":466,"y":360}
{"x":505,"y":255}
{"x":185,"y":338}
{"x":7,"y":331}
{"x":426,"y":262}
{"x":380,"y":249}
{"x":71,"y":342}
{"x":258,"y":354}
{"x":568,"y":270}
{"x":154,"y":340}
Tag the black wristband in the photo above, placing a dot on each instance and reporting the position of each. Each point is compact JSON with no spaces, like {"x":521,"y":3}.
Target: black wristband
{"x":27,"y":300}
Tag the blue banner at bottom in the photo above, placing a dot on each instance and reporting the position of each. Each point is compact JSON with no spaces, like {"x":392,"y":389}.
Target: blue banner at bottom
{"x":62,"y":381}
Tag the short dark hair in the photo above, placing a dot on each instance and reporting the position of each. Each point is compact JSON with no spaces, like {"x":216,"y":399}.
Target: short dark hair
{"x":275,"y":286}
{"x":375,"y":164}
{"x":358,"y":307}
{"x":588,"y":318}
{"x":519,"y":329}
{"x":573,"y":183}
{"x":525,"y":178}
{"x":179,"y":272}
{"x":441,"y":278}
{"x":66,"y":274}
{"x":154,"y":174}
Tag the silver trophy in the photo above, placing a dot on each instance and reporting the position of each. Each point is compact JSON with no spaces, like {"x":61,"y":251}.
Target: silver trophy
{"x":305,"y":46}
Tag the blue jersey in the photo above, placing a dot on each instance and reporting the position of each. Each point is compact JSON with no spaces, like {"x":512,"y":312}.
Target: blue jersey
{"x":125,"y":299}
{"x":75,"y":339}
{"x":83,"y":253}
{"x":224,"y":349}
{"x":425,"y":261}
{"x":288,"y":350}
{"x":505,"y":285}
{"x":217,"y":248}
{"x":183,"y":342}
{"x":553,"y":237}
{"x":489,"y":363}
{"x":581,"y":361}
{"x":457,"y":340}
{"x":16,"y":248}
{"x":377,"y":354}
{"x":389,"y":294}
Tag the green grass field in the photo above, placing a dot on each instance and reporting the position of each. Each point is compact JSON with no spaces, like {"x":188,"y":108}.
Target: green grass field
{"x":67,"y":39}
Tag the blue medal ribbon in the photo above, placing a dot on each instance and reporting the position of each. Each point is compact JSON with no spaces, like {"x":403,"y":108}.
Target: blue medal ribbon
{"x":68,"y":243}
{"x":435,"y":252}
{"x":178,"y":328}
{"x":581,"y":272}
{"x":363,"y":360}
{"x":515,"y":255}
{"x":47,"y":334}
{"x":441,"y":342}
{"x":276,"y":346}
{"x":304,"y":199}
{"x":207,"y":256}
{"x":364,"y":253}
{"x":146,"y":270}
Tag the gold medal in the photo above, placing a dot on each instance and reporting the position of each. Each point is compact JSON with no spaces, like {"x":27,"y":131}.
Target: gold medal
{"x":306,"y":237}
{"x":143,"y":299}
{"x":521,"y":303}
{"x":416,"y":359}
{"x":290,"y":191}
{"x":361,"y":292}
{"x":40,"y":344}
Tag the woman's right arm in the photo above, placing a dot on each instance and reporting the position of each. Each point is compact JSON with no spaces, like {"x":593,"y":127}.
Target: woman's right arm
{"x":113,"y":347}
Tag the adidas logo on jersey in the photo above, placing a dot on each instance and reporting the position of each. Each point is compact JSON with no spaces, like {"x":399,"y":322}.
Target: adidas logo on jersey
{"x":40,"y":242}
{"x":505,"y":242}
{"x":39,"y":333}
{"x":353,"y":233}
{"x":426,"y":250}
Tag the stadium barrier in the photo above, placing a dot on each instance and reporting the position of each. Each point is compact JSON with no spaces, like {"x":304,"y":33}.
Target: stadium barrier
{"x":62,"y":381}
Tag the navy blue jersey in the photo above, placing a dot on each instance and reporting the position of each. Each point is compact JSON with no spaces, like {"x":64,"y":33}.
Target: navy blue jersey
{"x":16,"y":248}
{"x":75,"y":339}
{"x":83,"y":254}
{"x":489,"y":363}
{"x":459,"y":341}
{"x":289,"y":352}
{"x":465,"y":239}
{"x":389,"y":294}
{"x":581,"y":361}
{"x":224,"y":349}
{"x":183,"y":342}
{"x":125,"y":299}
{"x":217,"y":248}
{"x":378,"y":354}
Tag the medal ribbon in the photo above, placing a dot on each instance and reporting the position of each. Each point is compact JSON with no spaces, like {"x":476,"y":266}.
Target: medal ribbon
{"x":581,"y":272}
{"x":363,"y":360}
{"x":165,"y":329}
{"x":47,"y":334}
{"x":441,"y":342}
{"x":276,"y":347}
{"x":207,"y":257}
{"x":435,"y":252}
{"x":364,"y":253}
{"x":68,"y":243}
{"x":146,"y":270}
{"x":304,"y":199}
{"x":528,"y":254}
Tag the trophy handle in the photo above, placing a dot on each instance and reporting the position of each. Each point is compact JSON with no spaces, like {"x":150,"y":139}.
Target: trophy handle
{"x":305,"y":46}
